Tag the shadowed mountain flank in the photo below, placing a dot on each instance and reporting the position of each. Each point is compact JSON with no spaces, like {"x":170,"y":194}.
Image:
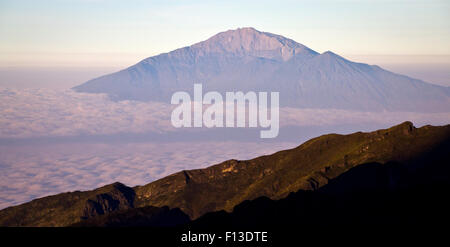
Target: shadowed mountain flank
{"x":246,"y":59}
{"x":409,"y":194}
{"x":380,"y":164}
{"x":307,"y":167}
{"x":137,"y":217}
{"x":67,"y":208}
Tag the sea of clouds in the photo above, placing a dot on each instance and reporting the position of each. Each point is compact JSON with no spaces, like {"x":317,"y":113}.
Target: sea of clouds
{"x":31,"y":171}
{"x":32,"y":168}
{"x":29,"y":113}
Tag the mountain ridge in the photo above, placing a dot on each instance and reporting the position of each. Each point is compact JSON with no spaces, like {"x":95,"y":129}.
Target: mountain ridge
{"x":309,"y":167}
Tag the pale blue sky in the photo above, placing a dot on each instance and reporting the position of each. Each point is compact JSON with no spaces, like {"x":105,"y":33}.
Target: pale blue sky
{"x":115,"y":33}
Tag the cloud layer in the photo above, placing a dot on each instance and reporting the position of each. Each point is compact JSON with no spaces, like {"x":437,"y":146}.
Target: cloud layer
{"x":29,"y":172}
{"x":46,"y":112}
{"x":30,"y":113}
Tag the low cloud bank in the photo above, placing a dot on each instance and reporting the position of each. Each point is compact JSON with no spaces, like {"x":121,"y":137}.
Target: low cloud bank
{"x":30,"y":172}
{"x":123,"y":140}
{"x":29,"y":113}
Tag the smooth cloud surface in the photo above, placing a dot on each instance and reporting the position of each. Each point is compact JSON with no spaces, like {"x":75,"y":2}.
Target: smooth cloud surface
{"x":44,"y":112}
{"x":30,"y":171}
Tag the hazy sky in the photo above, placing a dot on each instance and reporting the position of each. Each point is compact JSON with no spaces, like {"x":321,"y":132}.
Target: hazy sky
{"x":109,"y":32}
{"x":63,"y":43}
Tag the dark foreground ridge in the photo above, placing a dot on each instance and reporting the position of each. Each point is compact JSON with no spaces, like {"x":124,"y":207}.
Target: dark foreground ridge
{"x":397,"y":176}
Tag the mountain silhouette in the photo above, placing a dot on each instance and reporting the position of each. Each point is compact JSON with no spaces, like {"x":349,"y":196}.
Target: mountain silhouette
{"x":246,"y":59}
{"x":394,"y":166}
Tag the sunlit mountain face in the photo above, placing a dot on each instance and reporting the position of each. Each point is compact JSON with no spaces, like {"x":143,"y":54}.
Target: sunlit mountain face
{"x":249,"y":60}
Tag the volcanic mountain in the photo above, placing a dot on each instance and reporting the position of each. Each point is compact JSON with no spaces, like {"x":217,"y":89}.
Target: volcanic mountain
{"x":385,"y":161}
{"x":249,"y":60}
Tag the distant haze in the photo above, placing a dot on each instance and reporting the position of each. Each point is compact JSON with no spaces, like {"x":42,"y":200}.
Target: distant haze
{"x":430,"y":68}
{"x":43,"y":40}
{"x":151,"y":27}
{"x":433,"y":68}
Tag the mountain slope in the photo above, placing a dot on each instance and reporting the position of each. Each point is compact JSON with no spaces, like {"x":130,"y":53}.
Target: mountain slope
{"x":365,"y":197}
{"x":310,"y":166}
{"x":67,"y":208}
{"x":249,"y":60}
{"x":307,"y":167}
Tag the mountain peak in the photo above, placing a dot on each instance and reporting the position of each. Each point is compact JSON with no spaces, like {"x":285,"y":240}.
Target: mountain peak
{"x":249,"y":41}
{"x":245,"y":30}
{"x":331,"y":55}
{"x":246,"y":59}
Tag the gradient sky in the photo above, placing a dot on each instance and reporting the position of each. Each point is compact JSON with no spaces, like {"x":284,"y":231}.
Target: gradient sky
{"x":62,"y":43}
{"x":110,"y":32}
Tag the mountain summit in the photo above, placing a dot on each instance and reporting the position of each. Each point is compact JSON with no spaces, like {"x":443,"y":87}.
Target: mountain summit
{"x":251,"y":42}
{"x":246,"y":59}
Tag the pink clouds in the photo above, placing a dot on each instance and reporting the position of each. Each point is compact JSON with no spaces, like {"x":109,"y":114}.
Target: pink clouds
{"x":29,"y":172}
{"x":47,"y":112}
